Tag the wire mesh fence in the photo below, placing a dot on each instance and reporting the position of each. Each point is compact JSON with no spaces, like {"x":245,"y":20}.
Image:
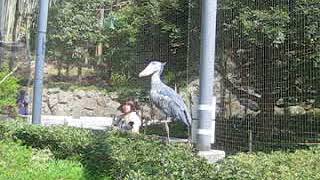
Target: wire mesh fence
{"x":267,"y":63}
{"x":270,"y":72}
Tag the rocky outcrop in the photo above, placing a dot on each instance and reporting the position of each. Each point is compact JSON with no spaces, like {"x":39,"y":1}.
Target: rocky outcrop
{"x":78,"y":103}
{"x":240,"y":107}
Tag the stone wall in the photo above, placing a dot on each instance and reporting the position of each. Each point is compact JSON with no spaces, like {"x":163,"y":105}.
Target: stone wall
{"x":78,"y":103}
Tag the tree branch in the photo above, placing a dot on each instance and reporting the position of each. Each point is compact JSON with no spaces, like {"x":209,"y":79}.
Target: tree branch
{"x":6,"y":77}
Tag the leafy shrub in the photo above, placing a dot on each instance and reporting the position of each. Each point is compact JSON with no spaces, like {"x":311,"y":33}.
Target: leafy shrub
{"x":63,"y":141}
{"x":141,"y":157}
{"x":8,"y":90}
{"x":301,"y":164}
{"x":119,"y":79}
{"x":121,"y":156}
{"x":20,"y":162}
{"x":114,"y":155}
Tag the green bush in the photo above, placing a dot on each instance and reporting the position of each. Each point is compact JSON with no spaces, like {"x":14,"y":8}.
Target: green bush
{"x":301,"y":164}
{"x":19,"y":162}
{"x":121,"y":156}
{"x":114,"y":155}
{"x":141,"y":157}
{"x":119,"y":79}
{"x":8,"y":90}
{"x":63,"y":141}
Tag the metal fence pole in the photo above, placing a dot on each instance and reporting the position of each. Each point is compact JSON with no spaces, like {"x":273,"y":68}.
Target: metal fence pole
{"x":207,"y":56}
{"x":41,"y":48}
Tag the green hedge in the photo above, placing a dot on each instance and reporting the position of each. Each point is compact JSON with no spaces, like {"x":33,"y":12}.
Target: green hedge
{"x":137,"y":157}
{"x":301,"y":164}
{"x":63,"y":141}
{"x":19,"y":162}
{"x":122,"y":156}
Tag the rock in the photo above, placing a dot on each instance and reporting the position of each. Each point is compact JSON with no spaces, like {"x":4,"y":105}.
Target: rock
{"x":61,"y":110}
{"x":103,"y":101}
{"x":77,"y":103}
{"x":88,"y":113}
{"x":315,"y":112}
{"x":193,"y":90}
{"x":91,"y":94}
{"x":279,"y":111}
{"x":89,"y":109}
{"x":296,"y":110}
{"x":76,"y":110}
{"x":53,"y":91}
{"x":280,"y":102}
{"x":79,"y":94}
{"x":53,"y":100}
{"x":114,"y":95}
{"x":45,"y":109}
{"x":89,"y":103}
{"x":64,"y":97}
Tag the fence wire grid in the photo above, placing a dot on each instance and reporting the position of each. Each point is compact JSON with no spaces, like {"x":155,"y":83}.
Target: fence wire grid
{"x":267,"y":71}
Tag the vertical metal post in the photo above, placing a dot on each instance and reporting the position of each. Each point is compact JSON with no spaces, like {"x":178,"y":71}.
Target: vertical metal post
{"x":207,"y":57}
{"x":41,"y":48}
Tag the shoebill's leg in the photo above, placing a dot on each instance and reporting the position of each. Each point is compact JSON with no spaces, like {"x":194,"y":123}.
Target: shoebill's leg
{"x":189,"y":135}
{"x":167,"y":129}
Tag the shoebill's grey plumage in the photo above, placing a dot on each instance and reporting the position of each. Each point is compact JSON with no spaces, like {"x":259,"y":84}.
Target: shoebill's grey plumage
{"x":164,"y":97}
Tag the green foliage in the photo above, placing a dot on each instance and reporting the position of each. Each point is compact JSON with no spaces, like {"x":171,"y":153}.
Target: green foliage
{"x":8,"y":90}
{"x":20,"y":162}
{"x":76,"y":28}
{"x":64,"y":142}
{"x":130,"y":91}
{"x":119,"y":79}
{"x":121,"y":156}
{"x":146,"y":158}
{"x":284,"y":36}
{"x":273,"y":23}
{"x":301,"y":164}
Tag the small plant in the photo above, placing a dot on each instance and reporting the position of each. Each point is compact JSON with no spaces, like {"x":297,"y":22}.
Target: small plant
{"x":118,"y":79}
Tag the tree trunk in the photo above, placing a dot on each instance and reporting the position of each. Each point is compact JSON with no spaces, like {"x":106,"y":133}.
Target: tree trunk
{"x":79,"y":73}
{"x":59,"y":69}
{"x":100,"y":45}
{"x":67,"y":71}
{"x":28,"y":50}
{"x":14,"y":35}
